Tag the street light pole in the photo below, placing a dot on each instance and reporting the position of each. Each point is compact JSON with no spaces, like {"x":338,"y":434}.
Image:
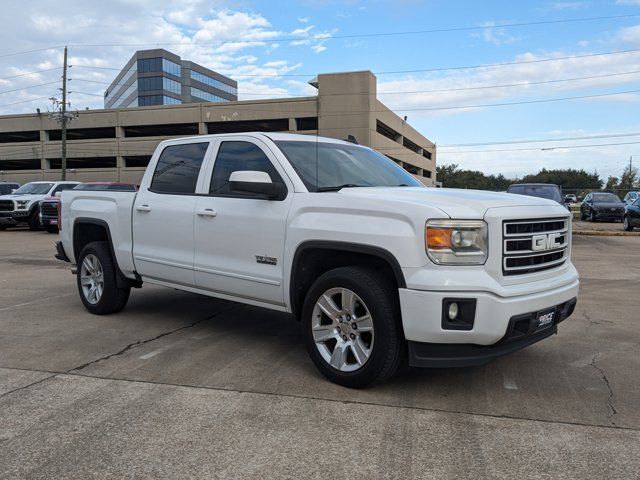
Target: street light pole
{"x":64,"y":117}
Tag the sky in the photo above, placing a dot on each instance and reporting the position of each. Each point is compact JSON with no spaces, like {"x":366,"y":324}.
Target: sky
{"x":415,"y":48}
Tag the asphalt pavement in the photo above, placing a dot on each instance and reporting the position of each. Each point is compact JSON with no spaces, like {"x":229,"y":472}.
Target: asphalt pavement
{"x":182,"y":386}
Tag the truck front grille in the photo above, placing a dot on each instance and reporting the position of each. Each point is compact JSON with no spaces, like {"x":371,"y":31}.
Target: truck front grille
{"x":534,"y":245}
{"x":6,"y":205}
{"x":49,"y":209}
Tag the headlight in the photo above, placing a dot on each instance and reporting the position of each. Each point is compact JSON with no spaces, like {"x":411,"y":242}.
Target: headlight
{"x":456,"y":242}
{"x":22,"y":204}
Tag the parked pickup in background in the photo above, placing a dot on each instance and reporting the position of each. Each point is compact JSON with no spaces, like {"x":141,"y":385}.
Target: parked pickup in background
{"x":23,"y":205}
{"x":377,"y":267}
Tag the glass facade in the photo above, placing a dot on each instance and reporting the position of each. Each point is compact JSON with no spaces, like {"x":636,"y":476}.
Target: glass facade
{"x":111,"y":94}
{"x":209,"y":97}
{"x":213,"y":82}
{"x":147,"y":100}
{"x":159,"y":83}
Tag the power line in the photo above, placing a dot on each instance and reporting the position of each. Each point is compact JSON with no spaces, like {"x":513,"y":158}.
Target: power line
{"x":324,"y":37}
{"x":510,"y":142}
{"x":30,"y":73}
{"x":410,"y":92}
{"x":423,"y":70}
{"x":30,"y":51}
{"x":27,"y":88}
{"x":558,"y":147}
{"x":23,"y":101}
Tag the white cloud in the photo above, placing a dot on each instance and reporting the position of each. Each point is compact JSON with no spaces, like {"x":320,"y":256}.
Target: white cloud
{"x":630,"y":35}
{"x":496,"y":36}
{"x":569,"y":5}
{"x":628,"y":2}
{"x":303,"y":19}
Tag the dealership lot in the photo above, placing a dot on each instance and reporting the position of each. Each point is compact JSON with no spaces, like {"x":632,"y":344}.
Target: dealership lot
{"x":181,"y":385}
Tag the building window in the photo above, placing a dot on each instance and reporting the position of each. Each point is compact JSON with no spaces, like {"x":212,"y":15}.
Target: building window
{"x":87,"y":162}
{"x":388,"y":132}
{"x":307,"y":123}
{"x":139,"y":161}
{"x":410,"y":145}
{"x":426,"y":173}
{"x":150,"y":65}
{"x":20,"y":164}
{"x":175,"y":129}
{"x":212,"y":82}
{"x":171,"y":67}
{"x":110,"y":94}
{"x":178,"y":168}
{"x":30,"y":136}
{"x":84,"y":133}
{"x":426,"y":153}
{"x":206,"y":96}
{"x":123,"y":97}
{"x":170,"y":100}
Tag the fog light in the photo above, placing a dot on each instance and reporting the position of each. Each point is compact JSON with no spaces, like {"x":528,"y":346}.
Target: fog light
{"x":453,"y":311}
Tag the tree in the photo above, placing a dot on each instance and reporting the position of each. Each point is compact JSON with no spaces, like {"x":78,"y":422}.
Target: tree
{"x":612,"y":183}
{"x":569,"y":179}
{"x":629,"y":179}
{"x":453,"y":177}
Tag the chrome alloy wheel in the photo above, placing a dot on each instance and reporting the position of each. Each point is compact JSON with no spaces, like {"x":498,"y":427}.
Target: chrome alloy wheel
{"x":92,"y":279}
{"x":342,"y":329}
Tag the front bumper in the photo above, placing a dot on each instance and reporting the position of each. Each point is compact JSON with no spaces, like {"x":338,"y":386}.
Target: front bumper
{"x":521,"y":332}
{"x":15,"y":215}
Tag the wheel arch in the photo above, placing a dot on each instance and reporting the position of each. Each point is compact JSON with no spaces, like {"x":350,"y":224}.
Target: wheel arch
{"x":87,"y":230}
{"x":314,"y":257}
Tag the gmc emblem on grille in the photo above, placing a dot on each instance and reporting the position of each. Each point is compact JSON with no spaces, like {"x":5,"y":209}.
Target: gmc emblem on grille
{"x":547,"y":241}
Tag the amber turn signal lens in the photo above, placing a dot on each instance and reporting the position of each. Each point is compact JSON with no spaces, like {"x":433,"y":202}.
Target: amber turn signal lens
{"x":438,"y":238}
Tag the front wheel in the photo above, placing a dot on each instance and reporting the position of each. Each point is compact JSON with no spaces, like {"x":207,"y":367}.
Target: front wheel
{"x":34,"y":220}
{"x":592,"y":216}
{"x":96,"y":280}
{"x":351,"y":326}
{"x":626,"y":223}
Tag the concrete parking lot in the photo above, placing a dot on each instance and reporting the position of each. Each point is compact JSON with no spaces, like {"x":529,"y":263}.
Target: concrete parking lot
{"x":179,"y":385}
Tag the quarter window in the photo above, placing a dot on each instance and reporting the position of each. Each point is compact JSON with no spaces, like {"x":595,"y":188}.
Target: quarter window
{"x":238,"y":156}
{"x":178,"y":168}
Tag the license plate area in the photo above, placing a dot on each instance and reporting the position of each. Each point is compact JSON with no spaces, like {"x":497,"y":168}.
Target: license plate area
{"x":545,"y":319}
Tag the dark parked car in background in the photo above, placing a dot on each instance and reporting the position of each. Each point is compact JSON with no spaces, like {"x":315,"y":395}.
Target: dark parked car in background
{"x":601,"y":206}
{"x":631,"y":217}
{"x":631,"y":197}
{"x":549,"y":191}
{"x":8,"y":187}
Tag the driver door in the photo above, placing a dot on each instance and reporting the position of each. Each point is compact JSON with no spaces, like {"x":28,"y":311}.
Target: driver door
{"x":239,"y":238}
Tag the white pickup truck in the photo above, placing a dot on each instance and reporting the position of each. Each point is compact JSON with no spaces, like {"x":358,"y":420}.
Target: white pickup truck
{"x":377,"y":267}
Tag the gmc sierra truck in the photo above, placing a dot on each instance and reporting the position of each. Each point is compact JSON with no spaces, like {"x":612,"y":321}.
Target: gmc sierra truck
{"x":377,"y":267}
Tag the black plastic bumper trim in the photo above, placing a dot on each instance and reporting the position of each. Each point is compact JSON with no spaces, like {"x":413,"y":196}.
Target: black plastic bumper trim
{"x":448,"y":355}
{"x":60,"y":255}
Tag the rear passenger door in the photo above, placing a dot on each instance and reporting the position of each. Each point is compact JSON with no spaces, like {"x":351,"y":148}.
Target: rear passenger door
{"x":163,"y":214}
{"x":239,"y":238}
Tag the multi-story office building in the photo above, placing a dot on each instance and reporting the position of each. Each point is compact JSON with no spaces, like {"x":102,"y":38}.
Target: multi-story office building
{"x":117,"y":144}
{"x":158,"y":77}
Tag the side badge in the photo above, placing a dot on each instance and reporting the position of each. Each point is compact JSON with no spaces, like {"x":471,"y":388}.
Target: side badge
{"x":266,"y":260}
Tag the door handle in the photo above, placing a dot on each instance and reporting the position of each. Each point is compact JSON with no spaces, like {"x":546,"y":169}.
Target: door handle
{"x":207,"y":212}
{"x":143,"y":208}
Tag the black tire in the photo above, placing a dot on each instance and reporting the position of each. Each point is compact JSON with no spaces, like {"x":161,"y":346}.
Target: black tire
{"x":592,"y":216}
{"x":3,"y":227}
{"x":113,"y":298}
{"x":52,"y":229}
{"x":34,"y":221}
{"x":583,"y":217}
{"x":626,"y":224}
{"x":381,"y":298}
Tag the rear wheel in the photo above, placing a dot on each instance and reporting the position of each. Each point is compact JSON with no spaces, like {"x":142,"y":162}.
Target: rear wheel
{"x":592,"y":216}
{"x":351,"y":326}
{"x":626,"y":223}
{"x":96,"y":280}
{"x":582,"y":215}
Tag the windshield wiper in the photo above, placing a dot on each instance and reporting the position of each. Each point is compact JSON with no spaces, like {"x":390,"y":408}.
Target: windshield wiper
{"x":335,"y":188}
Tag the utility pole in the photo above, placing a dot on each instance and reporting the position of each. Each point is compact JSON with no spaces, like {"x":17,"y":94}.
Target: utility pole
{"x":63,"y":116}
{"x":630,"y":170}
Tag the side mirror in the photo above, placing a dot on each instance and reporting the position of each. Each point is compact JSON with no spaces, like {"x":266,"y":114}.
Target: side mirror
{"x":57,"y":194}
{"x":252,"y":182}
{"x":13,"y":190}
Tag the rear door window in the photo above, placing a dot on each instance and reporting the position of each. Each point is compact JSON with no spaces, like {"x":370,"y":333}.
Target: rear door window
{"x":178,"y":168}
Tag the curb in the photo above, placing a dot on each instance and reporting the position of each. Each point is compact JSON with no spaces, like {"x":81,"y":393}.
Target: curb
{"x":605,"y":233}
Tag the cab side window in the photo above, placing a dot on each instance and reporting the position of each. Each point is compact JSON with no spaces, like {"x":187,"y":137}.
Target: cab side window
{"x":237,"y":156}
{"x":178,"y":168}
{"x":59,"y":188}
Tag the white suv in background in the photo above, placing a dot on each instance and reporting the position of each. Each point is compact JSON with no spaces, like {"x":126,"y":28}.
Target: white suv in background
{"x":22,"y":206}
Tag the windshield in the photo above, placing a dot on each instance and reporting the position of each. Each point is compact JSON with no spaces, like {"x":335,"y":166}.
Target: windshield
{"x":541,"y":191}
{"x":34,"y":189}
{"x":323,"y":165}
{"x":605,"y":198}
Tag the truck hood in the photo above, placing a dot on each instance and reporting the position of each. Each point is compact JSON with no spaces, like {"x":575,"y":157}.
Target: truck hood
{"x":26,"y":196}
{"x":456,"y":203}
